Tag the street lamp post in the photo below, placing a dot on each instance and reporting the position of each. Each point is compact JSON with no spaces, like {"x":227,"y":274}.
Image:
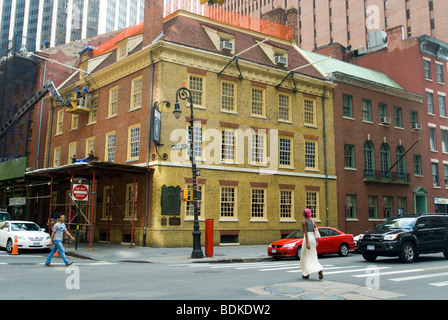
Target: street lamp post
{"x":185,"y":94}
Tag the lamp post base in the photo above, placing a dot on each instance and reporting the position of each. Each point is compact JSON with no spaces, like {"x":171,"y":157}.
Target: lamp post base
{"x":197,"y":251}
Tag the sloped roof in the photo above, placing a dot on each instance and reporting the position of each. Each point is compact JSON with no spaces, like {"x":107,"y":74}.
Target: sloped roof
{"x":330,"y":65}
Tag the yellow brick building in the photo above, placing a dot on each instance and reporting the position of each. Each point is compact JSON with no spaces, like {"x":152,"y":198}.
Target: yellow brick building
{"x":264,"y":136}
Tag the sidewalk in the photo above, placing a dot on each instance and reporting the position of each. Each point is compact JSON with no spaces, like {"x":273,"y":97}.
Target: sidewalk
{"x":123,"y":253}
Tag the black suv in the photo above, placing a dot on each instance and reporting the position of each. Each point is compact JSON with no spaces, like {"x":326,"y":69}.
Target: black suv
{"x":406,"y":236}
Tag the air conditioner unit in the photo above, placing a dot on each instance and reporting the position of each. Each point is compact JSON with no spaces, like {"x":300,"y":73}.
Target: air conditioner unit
{"x":226,"y":46}
{"x":281,"y":60}
{"x":417,"y":126}
{"x":385,"y":120}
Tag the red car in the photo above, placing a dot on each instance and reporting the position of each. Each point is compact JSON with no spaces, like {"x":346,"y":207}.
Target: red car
{"x":332,"y":241}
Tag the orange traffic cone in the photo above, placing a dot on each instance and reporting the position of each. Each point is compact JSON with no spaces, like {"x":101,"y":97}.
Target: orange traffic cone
{"x":56,"y":254}
{"x":15,"y":248}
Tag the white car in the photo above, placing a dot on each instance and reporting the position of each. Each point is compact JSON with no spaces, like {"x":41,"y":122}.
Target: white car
{"x":29,"y":235}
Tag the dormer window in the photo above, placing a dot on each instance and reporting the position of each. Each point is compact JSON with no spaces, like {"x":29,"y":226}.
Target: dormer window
{"x":226,"y":45}
{"x":276,"y":55}
{"x":223,"y":41}
{"x":122,"y":51}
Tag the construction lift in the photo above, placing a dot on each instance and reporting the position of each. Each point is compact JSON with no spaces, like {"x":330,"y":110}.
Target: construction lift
{"x":48,"y":87}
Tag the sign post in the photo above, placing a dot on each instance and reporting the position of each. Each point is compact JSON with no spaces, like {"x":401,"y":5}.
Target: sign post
{"x":80,"y":193}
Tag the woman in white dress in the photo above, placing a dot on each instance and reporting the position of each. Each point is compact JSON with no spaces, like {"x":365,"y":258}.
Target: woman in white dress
{"x":308,"y":260}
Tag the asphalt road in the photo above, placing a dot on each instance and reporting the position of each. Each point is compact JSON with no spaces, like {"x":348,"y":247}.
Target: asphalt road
{"x":348,"y":278}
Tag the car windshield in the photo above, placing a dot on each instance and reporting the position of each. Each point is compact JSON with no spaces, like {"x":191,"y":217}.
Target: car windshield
{"x":25,"y":227}
{"x":4,"y":216}
{"x":399,"y":223}
{"x":295,"y":234}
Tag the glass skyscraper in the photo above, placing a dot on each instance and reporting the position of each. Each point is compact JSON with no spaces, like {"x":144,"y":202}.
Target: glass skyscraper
{"x":35,"y":23}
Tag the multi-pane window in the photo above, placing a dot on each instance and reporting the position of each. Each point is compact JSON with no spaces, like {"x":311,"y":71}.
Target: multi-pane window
{"x":285,"y":154}
{"x":90,"y":146}
{"x":107,"y":201}
{"x":349,"y":155}
{"x":284,"y":108}
{"x":257,"y":102}
{"x":366,"y":110}
{"x":350,"y":206}
{"x":440,"y":76}
{"x":427,"y":66}
{"x":347,"y":106}
{"x":401,"y":163}
{"x":131,"y":201}
{"x":93,"y":109}
{"x":189,"y":208}
{"x":369,"y":160}
{"x":60,"y":121}
{"x":430,"y":102}
{"x":445,"y":174}
{"x":309,"y":111}
{"x":258,"y":203}
{"x":387,"y":207}
{"x":137,"y":89}
{"x":310,"y":154}
{"x":398,"y":117}
{"x":197,"y":145}
{"x":401,"y":205}
{"x":110,"y":146}
{"x":385,"y":160}
{"x":71,"y":151}
{"x":113,"y":102}
{"x":57,"y":157}
{"x":197,"y":90}
{"x":228,"y":145}
{"x":414,"y":117}
{"x":134,"y":142}
{"x":75,"y":121}
{"x":258,"y":148}
{"x":228,"y":202}
{"x":442,"y":106}
{"x":435,"y":174}
{"x":373,"y":205}
{"x":417,"y":164}
{"x":312,"y":203}
{"x":286,"y":204}
{"x":444,"y":141}
{"x":432,"y":139}
{"x":228,"y":96}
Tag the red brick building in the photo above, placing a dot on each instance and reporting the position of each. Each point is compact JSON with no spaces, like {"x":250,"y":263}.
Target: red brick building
{"x":378,"y":156}
{"x":420,"y":65}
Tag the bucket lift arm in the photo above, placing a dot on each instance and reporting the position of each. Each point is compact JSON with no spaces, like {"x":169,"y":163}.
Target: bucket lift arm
{"x":48,"y":87}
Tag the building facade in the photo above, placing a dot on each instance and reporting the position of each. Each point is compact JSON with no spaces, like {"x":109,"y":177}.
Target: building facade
{"x":263,"y":142}
{"x":427,"y":77}
{"x":349,"y":22}
{"x":35,"y":24}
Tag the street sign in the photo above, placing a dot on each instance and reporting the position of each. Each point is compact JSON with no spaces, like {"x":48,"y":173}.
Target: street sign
{"x":81,"y":192}
{"x":179,"y":147}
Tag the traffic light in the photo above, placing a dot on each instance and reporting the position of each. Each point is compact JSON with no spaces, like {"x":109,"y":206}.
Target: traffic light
{"x":186,"y":194}
{"x":211,"y":2}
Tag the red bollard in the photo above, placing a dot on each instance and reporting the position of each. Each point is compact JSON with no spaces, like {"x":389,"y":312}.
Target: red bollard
{"x":209,"y":237}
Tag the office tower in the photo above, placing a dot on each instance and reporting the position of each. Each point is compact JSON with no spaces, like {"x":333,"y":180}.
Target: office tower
{"x":34,"y":24}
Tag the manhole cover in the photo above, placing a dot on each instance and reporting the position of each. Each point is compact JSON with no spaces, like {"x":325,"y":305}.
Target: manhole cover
{"x":284,"y":290}
{"x":320,"y":297}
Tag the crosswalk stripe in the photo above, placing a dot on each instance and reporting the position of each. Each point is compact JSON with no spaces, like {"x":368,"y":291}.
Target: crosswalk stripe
{"x":352,"y":270}
{"x":387,"y":273}
{"x":424,"y":276}
{"x":327,"y":268}
{"x":439,"y":284}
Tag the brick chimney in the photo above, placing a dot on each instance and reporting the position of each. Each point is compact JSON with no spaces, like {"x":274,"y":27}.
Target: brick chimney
{"x":153,"y":21}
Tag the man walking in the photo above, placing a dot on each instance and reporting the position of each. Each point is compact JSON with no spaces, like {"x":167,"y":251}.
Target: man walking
{"x":57,"y":234}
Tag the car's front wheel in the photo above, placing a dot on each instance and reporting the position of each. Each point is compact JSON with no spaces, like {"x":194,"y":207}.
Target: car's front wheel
{"x":343,"y":250}
{"x":368,"y":256}
{"x":407,"y":253}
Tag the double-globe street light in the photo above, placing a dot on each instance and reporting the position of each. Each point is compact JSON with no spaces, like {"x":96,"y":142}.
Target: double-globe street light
{"x":185,"y":94}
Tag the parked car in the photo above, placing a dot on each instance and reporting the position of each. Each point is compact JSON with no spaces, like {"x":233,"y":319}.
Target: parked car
{"x":4,"y":216}
{"x":332,"y":241}
{"x":406,"y":237}
{"x":29,"y":235}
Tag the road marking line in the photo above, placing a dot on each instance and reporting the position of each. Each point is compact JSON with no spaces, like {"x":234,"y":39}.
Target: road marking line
{"x":325,"y":268}
{"x":354,"y":270}
{"x":386,"y":273}
{"x":439,"y":284}
{"x":421,"y":276}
